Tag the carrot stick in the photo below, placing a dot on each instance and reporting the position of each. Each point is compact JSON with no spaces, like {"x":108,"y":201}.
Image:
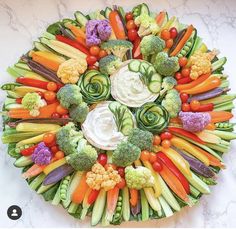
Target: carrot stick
{"x":173,"y":182}
{"x":194,"y":83}
{"x":112,"y":198}
{"x":133,"y":197}
{"x":220,"y":116}
{"x":81,"y":40}
{"x":117,"y":25}
{"x":79,"y":193}
{"x":160,"y":18}
{"x":33,"y":171}
{"x":76,"y":31}
{"x":183,"y":40}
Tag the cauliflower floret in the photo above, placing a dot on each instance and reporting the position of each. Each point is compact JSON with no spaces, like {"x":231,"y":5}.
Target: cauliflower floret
{"x":70,"y":70}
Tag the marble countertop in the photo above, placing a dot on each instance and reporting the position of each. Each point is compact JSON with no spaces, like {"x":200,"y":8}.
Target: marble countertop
{"x":22,"y":21}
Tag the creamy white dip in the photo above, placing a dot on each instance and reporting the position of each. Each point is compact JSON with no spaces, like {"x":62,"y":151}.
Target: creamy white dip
{"x":100,"y":128}
{"x":128,"y":89}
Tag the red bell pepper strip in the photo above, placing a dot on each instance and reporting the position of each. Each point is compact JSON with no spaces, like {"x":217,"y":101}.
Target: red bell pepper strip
{"x":32,"y":82}
{"x":186,"y":133}
{"x":171,"y":166}
{"x":92,"y":196}
{"x":205,"y":107}
{"x":73,"y":43}
{"x":28,"y":151}
{"x":184,"y":80}
{"x":136,"y":49}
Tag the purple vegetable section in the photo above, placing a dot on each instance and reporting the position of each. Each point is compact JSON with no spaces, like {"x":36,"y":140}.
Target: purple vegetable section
{"x":58,"y":174}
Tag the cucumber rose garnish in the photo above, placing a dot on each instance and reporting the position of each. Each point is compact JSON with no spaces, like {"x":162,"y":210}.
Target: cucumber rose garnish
{"x":152,"y":117}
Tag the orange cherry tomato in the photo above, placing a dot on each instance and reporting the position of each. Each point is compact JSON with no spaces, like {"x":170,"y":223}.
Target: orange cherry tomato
{"x":185,"y":72}
{"x":59,"y":155}
{"x":130,"y":25}
{"x":152,"y":157}
{"x":183,"y":61}
{"x":145,"y":155}
{"x":166,"y":144}
{"x":194,"y":105}
{"x":94,"y":50}
{"x":51,"y":86}
{"x":169,"y":43}
{"x":61,"y":110}
{"x":121,"y":184}
{"x":102,"y":53}
{"x":165,"y":34}
{"x":49,"y":95}
{"x":54,"y":149}
{"x":185,"y":107}
{"x":156,"y":140}
{"x":49,"y":138}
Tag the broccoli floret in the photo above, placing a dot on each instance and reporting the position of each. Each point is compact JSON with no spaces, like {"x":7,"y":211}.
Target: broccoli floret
{"x":117,"y":47}
{"x":147,"y":25}
{"x":109,"y":64}
{"x":84,"y":158}
{"x":151,"y":45}
{"x":168,"y":83}
{"x":79,"y":113}
{"x":68,"y":138}
{"x":125,"y":154}
{"x":138,"y":178}
{"x":141,"y":138}
{"x":166,"y":65}
{"x":172,"y":103}
{"x":69,"y":95}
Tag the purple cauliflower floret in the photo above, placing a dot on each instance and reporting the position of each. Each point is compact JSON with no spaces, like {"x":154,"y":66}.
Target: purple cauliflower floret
{"x":41,"y":155}
{"x":194,"y":122}
{"x":97,"y":31}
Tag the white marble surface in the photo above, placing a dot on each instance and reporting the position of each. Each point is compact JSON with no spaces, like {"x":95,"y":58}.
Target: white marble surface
{"x":22,"y":21}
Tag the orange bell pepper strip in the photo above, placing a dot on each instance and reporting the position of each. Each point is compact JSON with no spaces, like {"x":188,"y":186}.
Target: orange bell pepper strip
{"x":133,"y":197}
{"x":80,"y":191}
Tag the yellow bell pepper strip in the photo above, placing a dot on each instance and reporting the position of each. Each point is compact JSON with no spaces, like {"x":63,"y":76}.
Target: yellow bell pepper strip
{"x":49,"y":168}
{"x":178,"y":160}
{"x":184,"y":145}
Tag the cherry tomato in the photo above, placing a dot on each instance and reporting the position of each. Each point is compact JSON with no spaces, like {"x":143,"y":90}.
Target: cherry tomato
{"x":152,"y":157}
{"x":102,"y":159}
{"x":173,"y":32}
{"x":194,"y":105}
{"x":49,"y":138}
{"x":110,"y":165}
{"x":61,"y":110}
{"x":102,"y":53}
{"x":185,"y":72}
{"x":166,"y":144}
{"x":54,"y":149}
{"x":169,"y":43}
{"x":121,"y":184}
{"x":55,"y":115}
{"x":185,"y":107}
{"x":94,"y":50}
{"x":93,"y":67}
{"x":130,"y":25}
{"x":157,"y":166}
{"x":166,"y":135}
{"x":51,"y":86}
{"x":132,"y":34}
{"x":65,"y":116}
{"x":156,"y":140}
{"x":145,"y":155}
{"x":165,"y":34}
{"x":49,"y":95}
{"x":59,"y":155}
{"x":121,"y":171}
{"x":183,"y":61}
{"x":178,"y":76}
{"x":184,"y":97}
{"x":91,"y":60}
{"x":129,"y":16}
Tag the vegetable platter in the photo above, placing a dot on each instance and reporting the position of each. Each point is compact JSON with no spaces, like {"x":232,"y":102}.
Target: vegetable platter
{"x":119,"y":116}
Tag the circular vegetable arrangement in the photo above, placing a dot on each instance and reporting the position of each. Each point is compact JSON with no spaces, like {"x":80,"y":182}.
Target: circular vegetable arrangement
{"x":120,"y":116}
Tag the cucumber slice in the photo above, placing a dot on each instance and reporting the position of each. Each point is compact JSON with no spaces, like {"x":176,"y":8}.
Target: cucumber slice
{"x":13,"y":106}
{"x":134,"y":65}
{"x":154,"y":86}
{"x":196,"y":46}
{"x":12,"y":94}
{"x":80,"y":18}
{"x":218,"y":64}
{"x":144,"y":67}
{"x":23,"y":161}
{"x":144,"y":9}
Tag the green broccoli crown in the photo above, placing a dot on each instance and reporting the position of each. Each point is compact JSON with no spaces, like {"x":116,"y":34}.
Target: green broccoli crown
{"x":172,"y":103}
{"x":117,"y":47}
{"x":138,"y":178}
{"x":31,"y":101}
{"x":168,"y":83}
{"x":166,"y":65}
{"x":79,"y":113}
{"x":69,"y":95}
{"x":109,"y":64}
{"x":151,"y":44}
{"x":68,"y":138}
{"x":141,"y":138}
{"x":125,"y":154}
{"x":85,"y":157}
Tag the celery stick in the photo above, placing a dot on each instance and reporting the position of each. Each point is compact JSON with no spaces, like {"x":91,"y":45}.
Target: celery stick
{"x":144,"y":206}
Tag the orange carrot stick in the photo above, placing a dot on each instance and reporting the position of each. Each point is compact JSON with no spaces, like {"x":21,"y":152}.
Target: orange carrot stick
{"x":79,"y":193}
{"x":220,"y":116}
{"x":112,"y":198}
{"x":117,"y":25}
{"x":133,"y":197}
{"x":33,"y":171}
{"x":160,"y":18}
{"x":76,"y":31}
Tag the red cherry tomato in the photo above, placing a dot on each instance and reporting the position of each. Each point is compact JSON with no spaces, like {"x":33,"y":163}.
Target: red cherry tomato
{"x":102,"y":159}
{"x":51,"y":86}
{"x":93,"y":67}
{"x":184,"y":97}
{"x":49,"y":95}
{"x":121,"y":171}
{"x":152,"y":157}
{"x":129,"y":16}
{"x":185,"y":107}
{"x":178,"y":76}
{"x":166,"y":144}
{"x":55,"y":115}
{"x":194,"y":105}
{"x":102,"y":53}
{"x":54,"y":149}
{"x":65,"y":116}
{"x":94,"y":50}
{"x":183,"y":61}
{"x":165,"y":34}
{"x":169,"y":43}
{"x":132,"y":34}
{"x":157,"y":166}
{"x":121,"y":184}
{"x":91,"y":60}
{"x":156,"y":140}
{"x":173,"y":32}
{"x":130,"y":25}
{"x":185,"y":72}
{"x":49,"y":138}
{"x":166,"y":135}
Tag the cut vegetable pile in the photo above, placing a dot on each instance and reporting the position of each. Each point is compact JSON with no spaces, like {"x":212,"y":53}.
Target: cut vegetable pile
{"x":119,"y":116}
